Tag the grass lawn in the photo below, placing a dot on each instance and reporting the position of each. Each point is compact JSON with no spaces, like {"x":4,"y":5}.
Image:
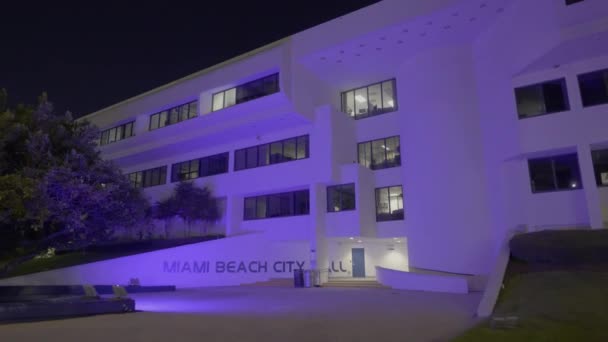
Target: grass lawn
{"x":565,"y":305}
{"x":98,"y":253}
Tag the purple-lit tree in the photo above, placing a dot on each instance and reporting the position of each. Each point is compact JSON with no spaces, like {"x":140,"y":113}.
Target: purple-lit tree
{"x":195,"y":204}
{"x":165,"y":210}
{"x":55,"y":190}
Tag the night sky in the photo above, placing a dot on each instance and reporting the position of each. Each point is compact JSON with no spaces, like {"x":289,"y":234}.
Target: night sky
{"x":90,"y":57}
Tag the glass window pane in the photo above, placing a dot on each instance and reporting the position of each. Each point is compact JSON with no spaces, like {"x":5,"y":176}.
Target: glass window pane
{"x":129,"y":130}
{"x":276,"y":152}
{"x":263,"y":155}
{"x":218,"y":101}
{"x":193,"y":109}
{"x":174,"y":116}
{"x":348,"y":103}
{"x":594,"y":88}
{"x":112,"y":137}
{"x":555,"y":96}
{"x":361,"y":102}
{"x":163,"y":175}
{"x":382,"y":204}
{"x":184,"y":111}
{"x":274,"y":205}
{"x":389,"y":101}
{"x":302,"y":147}
{"x":529,"y":101}
{"x":378,"y":154}
{"x":250,"y":211}
{"x":230,"y":97}
{"x":347,"y":194}
{"x":541,"y":175}
{"x":252,"y":157}
{"x":365,"y":154}
{"x":105,"y":137}
{"x":396,"y":202}
{"x":162,"y":121}
{"x":154,"y":121}
{"x":393,"y":154}
{"x":600,"y":166}
{"x":205,"y":167}
{"x":302,"y":202}
{"x":240,"y":159}
{"x":261,"y":207}
{"x":289,"y":149}
{"x":567,"y":173}
{"x":333,"y":199}
{"x":286,"y":203}
{"x":375,"y":99}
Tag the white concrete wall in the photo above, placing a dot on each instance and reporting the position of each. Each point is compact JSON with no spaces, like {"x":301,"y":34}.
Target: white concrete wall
{"x":385,"y":253}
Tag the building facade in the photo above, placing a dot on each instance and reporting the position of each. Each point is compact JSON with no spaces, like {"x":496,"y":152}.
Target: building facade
{"x":406,"y":135}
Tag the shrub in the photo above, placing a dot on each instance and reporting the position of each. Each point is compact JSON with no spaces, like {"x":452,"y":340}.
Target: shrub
{"x":561,"y":246}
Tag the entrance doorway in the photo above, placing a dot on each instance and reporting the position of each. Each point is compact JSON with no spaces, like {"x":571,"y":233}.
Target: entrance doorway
{"x":358,"y":258}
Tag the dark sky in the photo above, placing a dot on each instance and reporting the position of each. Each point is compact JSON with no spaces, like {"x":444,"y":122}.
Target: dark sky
{"x":90,"y":57}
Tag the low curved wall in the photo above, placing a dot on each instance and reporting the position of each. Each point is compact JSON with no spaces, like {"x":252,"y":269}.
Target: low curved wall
{"x":421,"y":282}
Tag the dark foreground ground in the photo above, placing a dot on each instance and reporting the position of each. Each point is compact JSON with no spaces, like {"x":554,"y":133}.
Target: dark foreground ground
{"x":268,"y":314}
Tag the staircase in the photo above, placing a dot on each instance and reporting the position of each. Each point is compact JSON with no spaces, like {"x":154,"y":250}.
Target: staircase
{"x":355,"y":283}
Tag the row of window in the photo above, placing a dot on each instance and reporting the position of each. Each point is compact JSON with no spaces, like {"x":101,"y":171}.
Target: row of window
{"x":202,"y":167}
{"x":272,"y":153}
{"x":389,"y":203}
{"x":173,"y":115}
{"x":376,"y":154}
{"x":552,"y":96}
{"x":374,"y":99}
{"x":148,"y":178}
{"x":359,"y":103}
{"x":246,"y":92}
{"x":562,"y":172}
{"x":117,"y":133}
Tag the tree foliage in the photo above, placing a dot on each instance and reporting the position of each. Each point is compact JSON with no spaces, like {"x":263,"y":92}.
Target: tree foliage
{"x":190,"y":203}
{"x":55,"y":190}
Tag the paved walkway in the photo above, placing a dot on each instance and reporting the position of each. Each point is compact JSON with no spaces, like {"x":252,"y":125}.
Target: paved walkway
{"x":268,"y":314}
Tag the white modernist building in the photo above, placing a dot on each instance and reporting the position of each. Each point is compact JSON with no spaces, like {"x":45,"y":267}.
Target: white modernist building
{"x":408,"y":135}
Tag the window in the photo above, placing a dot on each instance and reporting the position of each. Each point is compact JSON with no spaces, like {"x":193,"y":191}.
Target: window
{"x":378,"y":98}
{"x":594,"y":88}
{"x":543,"y":98}
{"x":277,"y":205}
{"x":246,"y":92}
{"x":272,"y":153}
{"x":117,"y":133}
{"x":380,"y":154}
{"x":203,"y":167}
{"x":389,"y":203}
{"x":571,"y":2}
{"x":148,"y":178}
{"x":555,"y":173}
{"x":173,"y":115}
{"x":600,"y":166}
{"x":341,"y":197}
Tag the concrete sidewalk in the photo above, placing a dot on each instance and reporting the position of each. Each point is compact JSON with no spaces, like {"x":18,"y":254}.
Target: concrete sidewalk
{"x":268,"y":314}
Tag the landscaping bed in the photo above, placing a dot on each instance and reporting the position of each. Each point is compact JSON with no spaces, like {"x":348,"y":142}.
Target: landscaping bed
{"x":555,"y":289}
{"x":98,"y":253}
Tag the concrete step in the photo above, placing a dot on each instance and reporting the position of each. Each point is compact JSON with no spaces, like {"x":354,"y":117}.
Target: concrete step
{"x":354,"y":283}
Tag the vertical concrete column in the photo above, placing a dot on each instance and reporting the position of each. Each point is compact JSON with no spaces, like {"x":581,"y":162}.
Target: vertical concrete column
{"x":317,"y":236}
{"x":592,"y":195}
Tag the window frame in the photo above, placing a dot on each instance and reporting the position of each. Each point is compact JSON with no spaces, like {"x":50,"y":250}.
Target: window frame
{"x":389,"y":216}
{"x":271,"y":161}
{"x":340,"y":187}
{"x":144,"y":175}
{"x":122,"y":128}
{"x":199,"y":162}
{"x":266,"y":199}
{"x":564,"y":87}
{"x":368,"y":114}
{"x":177,"y":109}
{"x":371,"y":156}
{"x":552,"y":159}
{"x":276,"y":79}
{"x":579,"y":77}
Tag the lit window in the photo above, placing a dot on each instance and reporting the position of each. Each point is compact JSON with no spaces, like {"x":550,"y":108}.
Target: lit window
{"x":272,"y":153}
{"x":173,"y":115}
{"x":277,"y":205}
{"x":389,"y":203}
{"x":375,"y":99}
{"x":380,"y":154}
{"x":341,"y":197}
{"x":246,"y":92}
{"x":117,"y":133}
